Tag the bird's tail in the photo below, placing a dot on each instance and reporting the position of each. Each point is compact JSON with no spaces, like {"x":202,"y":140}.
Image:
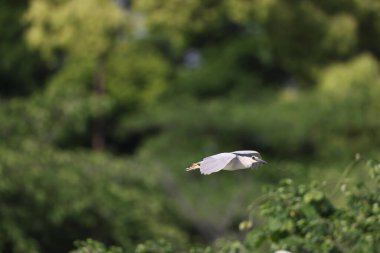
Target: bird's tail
{"x":194,"y":166}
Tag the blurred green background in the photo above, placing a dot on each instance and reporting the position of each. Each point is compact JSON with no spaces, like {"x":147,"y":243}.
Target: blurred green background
{"x":104,"y":103}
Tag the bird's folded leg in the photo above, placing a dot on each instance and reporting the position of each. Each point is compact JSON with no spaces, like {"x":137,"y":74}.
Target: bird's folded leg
{"x":194,"y":166}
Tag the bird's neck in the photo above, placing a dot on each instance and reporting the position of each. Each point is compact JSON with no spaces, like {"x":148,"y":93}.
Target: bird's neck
{"x":246,"y":161}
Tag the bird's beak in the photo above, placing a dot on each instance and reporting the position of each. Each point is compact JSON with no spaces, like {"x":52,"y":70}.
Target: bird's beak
{"x":260,"y":160}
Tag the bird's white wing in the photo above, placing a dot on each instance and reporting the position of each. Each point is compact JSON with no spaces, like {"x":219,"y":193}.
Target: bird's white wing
{"x":216,"y":163}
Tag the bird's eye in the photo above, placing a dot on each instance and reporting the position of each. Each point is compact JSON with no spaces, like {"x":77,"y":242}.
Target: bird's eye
{"x":253,"y":157}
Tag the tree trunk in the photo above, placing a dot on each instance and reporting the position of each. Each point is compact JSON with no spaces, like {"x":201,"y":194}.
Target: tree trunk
{"x":98,"y":124}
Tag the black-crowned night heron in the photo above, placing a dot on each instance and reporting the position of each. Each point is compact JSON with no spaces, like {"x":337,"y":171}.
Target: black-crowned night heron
{"x":237,"y":160}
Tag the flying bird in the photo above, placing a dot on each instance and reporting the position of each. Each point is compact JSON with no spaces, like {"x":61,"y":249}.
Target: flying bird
{"x":236,"y":160}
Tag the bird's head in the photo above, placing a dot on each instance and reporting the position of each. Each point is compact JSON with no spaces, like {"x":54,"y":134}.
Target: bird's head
{"x":256,"y":160}
{"x":251,"y":158}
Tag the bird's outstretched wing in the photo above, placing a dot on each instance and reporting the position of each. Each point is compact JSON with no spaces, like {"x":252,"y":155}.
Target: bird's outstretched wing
{"x":216,"y":163}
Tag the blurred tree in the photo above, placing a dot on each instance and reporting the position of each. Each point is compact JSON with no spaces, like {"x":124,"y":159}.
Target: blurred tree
{"x":248,"y":83}
{"x":172,"y":81}
{"x":22,"y":70}
{"x":51,"y":198}
{"x":350,"y":92}
{"x":57,"y":27}
{"x":104,"y":65}
{"x":251,"y":53}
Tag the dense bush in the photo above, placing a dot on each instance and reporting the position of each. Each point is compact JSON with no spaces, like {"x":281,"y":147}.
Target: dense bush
{"x":91,"y":246}
{"x":308,"y":218}
{"x":51,"y":198}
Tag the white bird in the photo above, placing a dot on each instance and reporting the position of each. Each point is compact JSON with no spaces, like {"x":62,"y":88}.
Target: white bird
{"x":236,"y":160}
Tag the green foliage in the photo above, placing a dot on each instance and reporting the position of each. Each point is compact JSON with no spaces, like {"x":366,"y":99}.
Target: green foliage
{"x":128,"y":81}
{"x":57,"y":24}
{"x":350,"y":91}
{"x":296,"y":80}
{"x":21,"y":70}
{"x":51,"y":198}
{"x":239,"y":78}
{"x":304,"y":218}
{"x":92,"y":246}
{"x":159,"y":246}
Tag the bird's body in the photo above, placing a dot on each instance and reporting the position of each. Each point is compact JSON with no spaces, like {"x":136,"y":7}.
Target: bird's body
{"x":236,"y":160}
